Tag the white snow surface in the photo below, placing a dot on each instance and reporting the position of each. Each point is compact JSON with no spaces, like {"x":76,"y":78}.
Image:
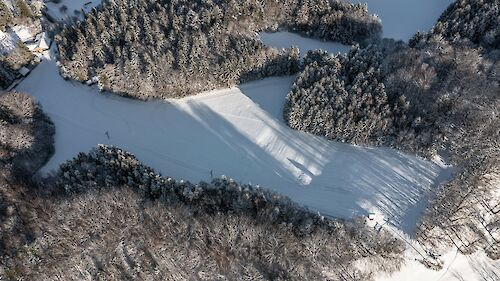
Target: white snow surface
{"x":24,"y":33}
{"x":456,"y":267}
{"x":237,"y":132}
{"x":54,"y":9}
{"x":401,"y":19}
{"x":285,"y":39}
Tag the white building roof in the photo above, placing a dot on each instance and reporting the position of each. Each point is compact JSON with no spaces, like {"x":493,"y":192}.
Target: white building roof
{"x":23,"y":32}
{"x":43,"y":41}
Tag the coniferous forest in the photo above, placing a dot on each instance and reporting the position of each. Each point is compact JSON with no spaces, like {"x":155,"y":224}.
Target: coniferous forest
{"x":476,"y":21}
{"x":344,"y":98}
{"x":160,"y":49}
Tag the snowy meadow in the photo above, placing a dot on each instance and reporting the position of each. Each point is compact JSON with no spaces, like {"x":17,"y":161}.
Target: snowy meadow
{"x":239,"y":133}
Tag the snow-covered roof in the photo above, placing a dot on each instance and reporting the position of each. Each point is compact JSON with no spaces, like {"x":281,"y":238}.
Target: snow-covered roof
{"x":43,"y":41}
{"x":23,"y":32}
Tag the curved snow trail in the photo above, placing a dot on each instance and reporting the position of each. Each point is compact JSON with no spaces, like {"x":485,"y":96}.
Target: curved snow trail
{"x":285,"y":39}
{"x":237,"y":132}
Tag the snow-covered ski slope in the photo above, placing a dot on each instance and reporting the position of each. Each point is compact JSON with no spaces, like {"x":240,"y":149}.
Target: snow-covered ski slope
{"x":237,"y":132}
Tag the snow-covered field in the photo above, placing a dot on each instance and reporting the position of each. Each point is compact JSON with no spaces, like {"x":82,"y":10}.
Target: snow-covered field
{"x":239,"y":133}
{"x":401,"y":19}
{"x":285,"y":39}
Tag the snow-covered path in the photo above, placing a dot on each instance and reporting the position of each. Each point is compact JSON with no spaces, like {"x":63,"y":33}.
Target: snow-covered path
{"x":285,"y":39}
{"x":239,"y":133}
{"x":456,"y":267}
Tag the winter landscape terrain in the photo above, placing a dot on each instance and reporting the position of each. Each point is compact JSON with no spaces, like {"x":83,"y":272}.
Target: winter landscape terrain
{"x":239,"y":133}
{"x":214,"y":130}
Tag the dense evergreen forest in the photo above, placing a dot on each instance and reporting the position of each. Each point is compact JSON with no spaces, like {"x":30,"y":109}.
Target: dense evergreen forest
{"x":160,"y":49}
{"x":26,"y":135}
{"x":20,"y":12}
{"x":474,"y":20}
{"x":344,"y":98}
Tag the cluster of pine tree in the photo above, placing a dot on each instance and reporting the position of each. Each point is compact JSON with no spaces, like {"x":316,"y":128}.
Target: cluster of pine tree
{"x":331,"y":20}
{"x":344,"y":98}
{"x":17,"y":12}
{"x":7,"y":75}
{"x":5,"y":16}
{"x":475,"y":20}
{"x":159,"y":49}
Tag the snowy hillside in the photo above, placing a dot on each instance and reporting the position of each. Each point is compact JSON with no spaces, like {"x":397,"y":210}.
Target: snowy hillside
{"x":239,"y":133}
{"x":456,"y":267}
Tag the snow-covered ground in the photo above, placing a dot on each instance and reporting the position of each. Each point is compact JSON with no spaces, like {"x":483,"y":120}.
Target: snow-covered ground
{"x":238,"y":132}
{"x":456,"y":267}
{"x":59,"y":13}
{"x":401,"y":19}
{"x":285,"y":39}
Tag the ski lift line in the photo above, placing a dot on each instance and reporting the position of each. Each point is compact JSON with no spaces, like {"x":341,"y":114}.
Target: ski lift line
{"x":178,"y":162}
{"x":449,"y":266}
{"x":404,"y":239}
{"x":76,"y":124}
{"x":175,"y":161}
